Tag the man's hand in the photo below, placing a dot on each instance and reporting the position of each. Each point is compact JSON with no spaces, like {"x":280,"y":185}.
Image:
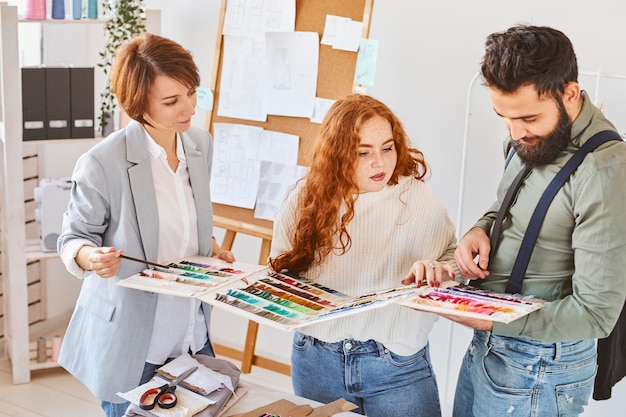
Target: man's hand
{"x":474,"y":243}
{"x":476,"y":324}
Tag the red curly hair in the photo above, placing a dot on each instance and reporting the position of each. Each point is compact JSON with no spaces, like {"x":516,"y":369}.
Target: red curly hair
{"x":330,"y":182}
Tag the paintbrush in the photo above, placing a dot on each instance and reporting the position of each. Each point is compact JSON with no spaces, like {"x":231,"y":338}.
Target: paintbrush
{"x":144,"y":262}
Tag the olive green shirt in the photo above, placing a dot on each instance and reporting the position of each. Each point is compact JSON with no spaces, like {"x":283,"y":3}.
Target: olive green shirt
{"x":579,"y":260}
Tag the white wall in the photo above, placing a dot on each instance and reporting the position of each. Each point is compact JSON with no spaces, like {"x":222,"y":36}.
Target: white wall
{"x":429,"y":54}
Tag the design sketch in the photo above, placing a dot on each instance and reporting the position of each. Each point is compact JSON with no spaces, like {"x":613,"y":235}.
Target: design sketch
{"x":254,"y":17}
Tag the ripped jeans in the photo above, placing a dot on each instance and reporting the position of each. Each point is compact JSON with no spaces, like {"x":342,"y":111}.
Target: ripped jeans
{"x":515,"y":376}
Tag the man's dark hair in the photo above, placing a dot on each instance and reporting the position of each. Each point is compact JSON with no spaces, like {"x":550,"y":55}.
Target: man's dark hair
{"x":536,"y":56}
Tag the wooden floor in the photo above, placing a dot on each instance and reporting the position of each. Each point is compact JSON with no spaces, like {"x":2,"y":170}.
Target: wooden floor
{"x":55,"y":393}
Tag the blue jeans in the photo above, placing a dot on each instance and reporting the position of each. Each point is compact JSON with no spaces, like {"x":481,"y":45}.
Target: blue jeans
{"x":149,"y":369}
{"x":367,"y":374}
{"x":514,"y":377}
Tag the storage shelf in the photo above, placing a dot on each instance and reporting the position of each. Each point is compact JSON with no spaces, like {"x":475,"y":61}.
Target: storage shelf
{"x":67,"y":20}
{"x":68,"y":140}
{"x":49,"y":364}
{"x":17,"y":251}
{"x":34,"y":252}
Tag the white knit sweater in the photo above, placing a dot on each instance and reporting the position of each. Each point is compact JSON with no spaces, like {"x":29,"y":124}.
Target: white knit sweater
{"x":391,"y":229}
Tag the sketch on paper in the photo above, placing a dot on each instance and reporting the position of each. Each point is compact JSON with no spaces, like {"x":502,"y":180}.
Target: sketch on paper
{"x":275,"y":181}
{"x":292,"y":66}
{"x":255,"y":17}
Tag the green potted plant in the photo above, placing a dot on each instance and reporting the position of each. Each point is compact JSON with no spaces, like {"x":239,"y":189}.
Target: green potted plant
{"x":125,"y":19}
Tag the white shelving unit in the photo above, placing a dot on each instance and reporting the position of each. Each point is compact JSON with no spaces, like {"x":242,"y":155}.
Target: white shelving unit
{"x":16,"y":250}
{"x":13,"y":232}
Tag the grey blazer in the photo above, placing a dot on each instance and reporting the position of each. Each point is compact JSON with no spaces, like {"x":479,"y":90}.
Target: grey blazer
{"x":113,"y":203}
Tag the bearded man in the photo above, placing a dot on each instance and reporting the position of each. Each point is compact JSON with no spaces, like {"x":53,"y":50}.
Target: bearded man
{"x":544,"y":363}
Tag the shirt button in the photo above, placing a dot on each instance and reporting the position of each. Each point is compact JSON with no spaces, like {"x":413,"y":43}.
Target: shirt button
{"x":348,"y":345}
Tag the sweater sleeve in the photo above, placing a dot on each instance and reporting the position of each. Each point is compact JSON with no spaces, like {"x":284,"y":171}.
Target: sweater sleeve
{"x":284,"y":225}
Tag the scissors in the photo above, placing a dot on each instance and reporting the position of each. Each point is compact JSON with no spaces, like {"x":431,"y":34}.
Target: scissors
{"x":163,"y":395}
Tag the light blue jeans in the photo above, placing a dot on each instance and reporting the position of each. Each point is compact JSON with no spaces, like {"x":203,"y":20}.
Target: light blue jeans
{"x":367,"y":374}
{"x":513,"y":377}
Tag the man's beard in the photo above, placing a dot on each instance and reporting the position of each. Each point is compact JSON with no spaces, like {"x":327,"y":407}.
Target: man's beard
{"x":545,"y":149}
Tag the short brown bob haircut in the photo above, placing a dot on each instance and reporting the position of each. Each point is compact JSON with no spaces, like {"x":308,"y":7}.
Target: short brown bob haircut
{"x":138,"y":62}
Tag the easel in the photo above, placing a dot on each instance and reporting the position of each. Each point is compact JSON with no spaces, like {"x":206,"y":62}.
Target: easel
{"x":335,"y":80}
{"x":247,"y":357}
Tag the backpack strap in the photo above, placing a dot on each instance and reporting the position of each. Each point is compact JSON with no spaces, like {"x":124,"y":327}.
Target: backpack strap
{"x":514,"y":284}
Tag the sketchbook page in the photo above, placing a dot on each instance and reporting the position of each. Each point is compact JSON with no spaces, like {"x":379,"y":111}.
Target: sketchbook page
{"x":291,"y":70}
{"x":253,"y":18}
{"x":191,"y":276}
{"x":463,"y":300}
{"x":288,"y":303}
{"x":242,"y":80}
{"x":236,"y":168}
{"x":276,"y":179}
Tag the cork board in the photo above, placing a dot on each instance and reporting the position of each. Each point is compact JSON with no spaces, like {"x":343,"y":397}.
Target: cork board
{"x":335,"y":80}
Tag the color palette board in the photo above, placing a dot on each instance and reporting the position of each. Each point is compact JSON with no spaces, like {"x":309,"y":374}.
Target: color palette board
{"x":279,"y":300}
{"x":190,"y":277}
{"x":289,"y":302}
{"x":464,"y":300}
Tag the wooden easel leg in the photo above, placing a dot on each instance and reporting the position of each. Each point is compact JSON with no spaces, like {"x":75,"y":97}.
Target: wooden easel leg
{"x":229,"y":239}
{"x":248,"y":349}
{"x":253,"y":327}
{"x":265,"y":251}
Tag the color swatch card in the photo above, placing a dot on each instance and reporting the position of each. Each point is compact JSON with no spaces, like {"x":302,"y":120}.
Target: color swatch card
{"x":190,"y":277}
{"x":288,"y":303}
{"x":463,"y":300}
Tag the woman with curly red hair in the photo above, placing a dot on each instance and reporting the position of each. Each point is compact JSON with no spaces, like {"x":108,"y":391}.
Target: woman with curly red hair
{"x":363,"y":220}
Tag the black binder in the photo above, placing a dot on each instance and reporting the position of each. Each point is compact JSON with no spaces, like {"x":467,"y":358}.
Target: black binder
{"x":33,"y":103}
{"x":58,"y":103}
{"x":82,"y":102}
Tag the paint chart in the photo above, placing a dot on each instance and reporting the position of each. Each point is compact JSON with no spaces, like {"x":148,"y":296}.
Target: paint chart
{"x":288,"y":302}
{"x":190,"y":277}
{"x":464,"y":300}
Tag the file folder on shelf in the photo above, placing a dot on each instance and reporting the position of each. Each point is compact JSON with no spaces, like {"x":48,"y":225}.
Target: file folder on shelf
{"x":58,"y":103}
{"x":82,"y":102}
{"x":33,"y":103}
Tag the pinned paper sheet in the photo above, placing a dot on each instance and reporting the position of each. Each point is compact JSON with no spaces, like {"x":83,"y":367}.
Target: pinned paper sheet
{"x":365,"y":72}
{"x":235,"y":170}
{"x":242,"y":81}
{"x":253,"y":18}
{"x":239,"y":150}
{"x":342,"y":33}
{"x":205,"y":98}
{"x":276,"y":180}
{"x":320,"y":109}
{"x":292,"y":61}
